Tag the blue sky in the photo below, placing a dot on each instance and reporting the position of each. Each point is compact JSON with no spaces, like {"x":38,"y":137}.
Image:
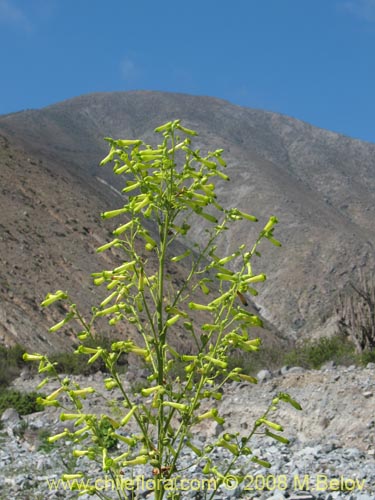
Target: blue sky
{"x":310,"y":59}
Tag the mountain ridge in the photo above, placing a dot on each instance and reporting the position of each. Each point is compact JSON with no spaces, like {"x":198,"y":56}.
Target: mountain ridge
{"x":319,"y":183}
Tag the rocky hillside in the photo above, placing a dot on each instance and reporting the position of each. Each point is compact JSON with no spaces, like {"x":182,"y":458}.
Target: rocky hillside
{"x":330,"y":457}
{"x":320,"y":185}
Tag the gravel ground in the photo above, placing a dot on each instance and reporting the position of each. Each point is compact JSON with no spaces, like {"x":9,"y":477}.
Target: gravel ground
{"x":331,"y":453}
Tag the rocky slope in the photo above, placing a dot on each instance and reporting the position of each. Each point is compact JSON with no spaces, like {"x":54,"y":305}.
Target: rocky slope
{"x":331,"y":455}
{"x":319,"y":184}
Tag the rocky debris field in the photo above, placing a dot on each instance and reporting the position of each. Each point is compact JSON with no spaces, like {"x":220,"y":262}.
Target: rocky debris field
{"x":331,"y":454}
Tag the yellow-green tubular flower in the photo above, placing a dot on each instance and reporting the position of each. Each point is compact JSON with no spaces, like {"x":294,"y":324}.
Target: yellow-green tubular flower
{"x":83,"y":335}
{"x":108,"y":299}
{"x":121,"y":170}
{"x":223,"y":176}
{"x":141,"y":460}
{"x":196,"y":450}
{"x":220,"y":299}
{"x":171,"y":321}
{"x":70,"y":477}
{"x":147,"y":213}
{"x":53,"y":297}
{"x":105,"y":460}
{"x":148,"y":239}
{"x":109,"y":310}
{"x":99,"y":281}
{"x":108,"y":245}
{"x":204,"y":199}
{"x":216,"y":362}
{"x":95,"y":356}
{"x":122,"y":345}
{"x":207,"y":327}
{"x":32,"y":357}
{"x":208,"y":189}
{"x":124,"y":267}
{"x":216,"y":395}
{"x":121,"y":457}
{"x":81,"y":431}
{"x":124,"y":143}
{"x":181,"y":145}
{"x":274,"y":241}
{"x":188,"y":357}
{"x":187,"y":131}
{"x":263,"y":463}
{"x":141,"y":204}
{"x":46,"y":402}
{"x":139,"y":351}
{"x":150,"y":390}
{"x":204,"y":288}
{"x":129,"y":441}
{"x":123,"y":228}
{"x":208,"y":217}
{"x":86,"y":350}
{"x":247,"y":378}
{"x":282,"y":439}
{"x":114,"y":213}
{"x":272,"y":221}
{"x":207,"y":163}
{"x":150,"y":152}
{"x":82,"y":392}
{"x":264,"y":421}
{"x":80,"y":453}
{"x":166,"y":126}
{"x":178,"y":406}
{"x":70,"y":416}
{"x":109,"y":157}
{"x":233,"y":448}
{"x":61,"y":323}
{"x":250,"y":319}
{"x":285,"y":397}
{"x":200,"y":307}
{"x":42,"y":383}
{"x":180,"y":257}
{"x":217,"y":473}
{"x":190,"y":368}
{"x":173,"y":352}
{"x":254,"y":279}
{"x":110,"y":383}
{"x":227,"y":277}
{"x":55,"y":393}
{"x":247,"y":346}
{"x":213,"y":413}
{"x":207,"y":467}
{"x":246,"y":216}
{"x":129,"y":415}
{"x":227,"y":259}
{"x":56,"y":437}
{"x":181,"y":229}
{"x":175,"y":310}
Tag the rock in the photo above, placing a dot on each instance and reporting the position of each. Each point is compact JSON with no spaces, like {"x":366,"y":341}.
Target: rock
{"x":264,"y":375}
{"x":277,"y":496}
{"x":303,"y":496}
{"x":367,"y":394}
{"x":330,"y":365}
{"x":296,"y":369}
{"x":284,"y":370}
{"x":11,"y":421}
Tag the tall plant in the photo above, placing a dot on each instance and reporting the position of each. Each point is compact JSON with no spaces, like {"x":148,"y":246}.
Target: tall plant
{"x":168,"y":188}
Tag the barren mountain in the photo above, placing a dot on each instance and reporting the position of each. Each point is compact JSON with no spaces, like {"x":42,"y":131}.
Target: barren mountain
{"x":321,"y":186}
